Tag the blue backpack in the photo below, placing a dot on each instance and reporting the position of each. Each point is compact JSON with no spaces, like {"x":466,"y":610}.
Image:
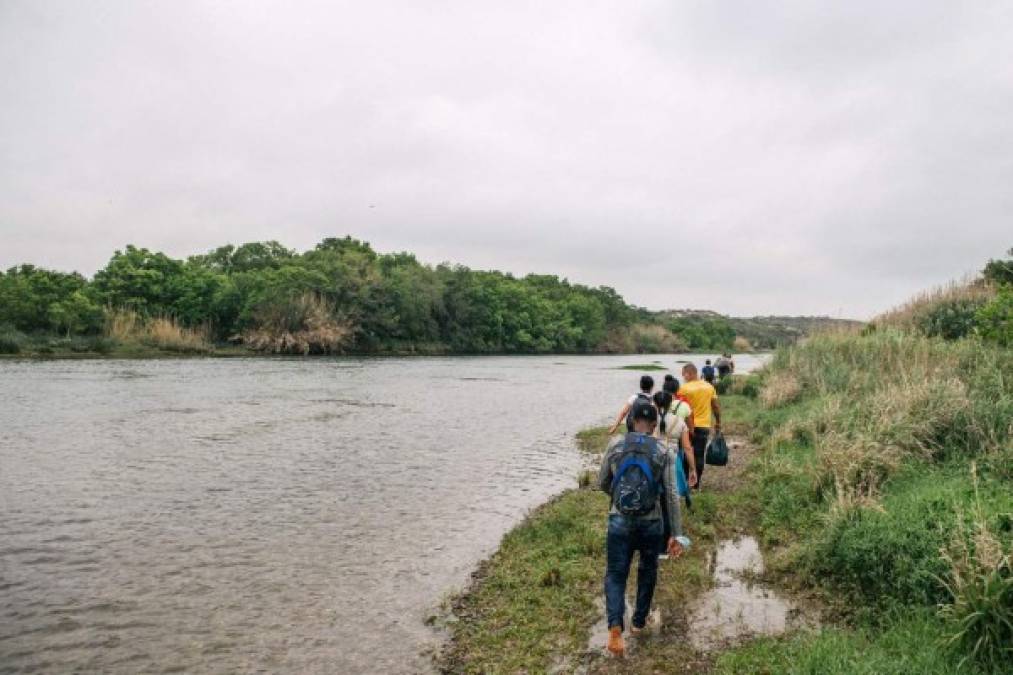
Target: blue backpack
{"x":636,"y":483}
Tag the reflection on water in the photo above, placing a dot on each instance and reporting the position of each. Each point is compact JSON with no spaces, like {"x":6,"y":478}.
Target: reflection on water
{"x":281,"y":515}
{"x":735,"y":607}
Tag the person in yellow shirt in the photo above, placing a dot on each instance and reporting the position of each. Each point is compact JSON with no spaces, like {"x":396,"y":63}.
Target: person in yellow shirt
{"x":703,"y":399}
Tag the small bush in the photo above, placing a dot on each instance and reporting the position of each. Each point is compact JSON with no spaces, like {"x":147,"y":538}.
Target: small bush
{"x":745,"y":385}
{"x":994,"y":320}
{"x":884,"y":554}
{"x":950,"y":319}
{"x":742,"y":344}
{"x":780,"y":388}
{"x":943,"y":310}
{"x":11,"y":340}
{"x":305,"y":325}
{"x":980,"y":584}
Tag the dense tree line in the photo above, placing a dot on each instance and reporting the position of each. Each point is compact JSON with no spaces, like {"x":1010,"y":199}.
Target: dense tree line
{"x":383,"y":301}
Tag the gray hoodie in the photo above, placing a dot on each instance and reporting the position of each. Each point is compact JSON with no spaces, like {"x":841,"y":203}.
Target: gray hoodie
{"x":609,"y":465}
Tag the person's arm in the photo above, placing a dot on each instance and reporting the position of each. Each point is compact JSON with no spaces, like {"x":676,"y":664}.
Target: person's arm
{"x":687,"y":448}
{"x":690,"y":424}
{"x":619,"y":419}
{"x":671,"y":505}
{"x":716,"y":411}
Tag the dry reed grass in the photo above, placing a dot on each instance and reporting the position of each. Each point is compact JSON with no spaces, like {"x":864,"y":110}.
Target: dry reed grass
{"x":780,"y":388}
{"x":886,"y":398}
{"x":162,"y":332}
{"x":307,"y":325}
{"x":742,"y":344}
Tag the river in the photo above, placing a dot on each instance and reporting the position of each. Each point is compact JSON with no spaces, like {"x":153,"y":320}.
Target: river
{"x":273,"y":515}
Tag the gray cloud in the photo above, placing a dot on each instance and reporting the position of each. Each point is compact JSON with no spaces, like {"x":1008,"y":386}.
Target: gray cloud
{"x":747,"y":157}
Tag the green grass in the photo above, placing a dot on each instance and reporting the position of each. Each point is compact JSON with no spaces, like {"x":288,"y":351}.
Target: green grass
{"x":905,"y":644}
{"x":593,"y":441}
{"x":866,"y":479}
{"x":535,"y":598}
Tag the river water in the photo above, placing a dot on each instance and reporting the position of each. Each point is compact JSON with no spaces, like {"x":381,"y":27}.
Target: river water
{"x":272,"y":515}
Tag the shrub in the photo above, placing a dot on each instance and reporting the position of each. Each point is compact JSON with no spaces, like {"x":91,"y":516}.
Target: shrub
{"x":779,"y":389}
{"x":742,"y":344}
{"x":883,"y":554}
{"x":11,"y":340}
{"x":653,"y":339}
{"x":745,"y":385}
{"x":305,"y":325}
{"x":950,"y":319}
{"x":980,"y":584}
{"x":994,"y":320}
{"x":1000,"y":271}
{"x":942,"y":309}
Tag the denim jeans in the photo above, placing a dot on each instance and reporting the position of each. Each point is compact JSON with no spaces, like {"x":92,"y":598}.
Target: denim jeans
{"x":625,"y":536}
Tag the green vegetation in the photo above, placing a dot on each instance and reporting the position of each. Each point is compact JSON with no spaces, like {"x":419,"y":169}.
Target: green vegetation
{"x":341,"y":296}
{"x":884,"y":486}
{"x":644,"y":367}
{"x":887,"y":482}
{"x":704,"y":330}
{"x":912,"y":644}
{"x":534,"y":599}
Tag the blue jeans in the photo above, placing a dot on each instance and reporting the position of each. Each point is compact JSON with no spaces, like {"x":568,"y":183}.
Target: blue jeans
{"x":625,"y":536}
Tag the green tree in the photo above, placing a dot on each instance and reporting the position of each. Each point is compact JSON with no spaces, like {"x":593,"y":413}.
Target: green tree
{"x":139,"y":279}
{"x":27,"y":292}
{"x":76,"y":313}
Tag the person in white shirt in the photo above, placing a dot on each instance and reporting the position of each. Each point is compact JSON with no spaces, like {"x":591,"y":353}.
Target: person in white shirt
{"x":646,"y":387}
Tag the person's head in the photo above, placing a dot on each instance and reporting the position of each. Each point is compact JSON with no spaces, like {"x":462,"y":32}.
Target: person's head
{"x":662,"y":400}
{"x":645,"y":417}
{"x":671,"y":384}
{"x":646,"y":383}
{"x":708,"y":362}
{"x":689,"y":372}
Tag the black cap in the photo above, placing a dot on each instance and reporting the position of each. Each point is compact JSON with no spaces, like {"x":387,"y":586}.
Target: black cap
{"x":642,"y":410}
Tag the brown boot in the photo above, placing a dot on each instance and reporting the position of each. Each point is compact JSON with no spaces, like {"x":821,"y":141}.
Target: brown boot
{"x":615,"y":643}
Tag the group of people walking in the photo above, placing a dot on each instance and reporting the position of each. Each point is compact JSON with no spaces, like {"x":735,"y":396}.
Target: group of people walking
{"x":660,"y":459}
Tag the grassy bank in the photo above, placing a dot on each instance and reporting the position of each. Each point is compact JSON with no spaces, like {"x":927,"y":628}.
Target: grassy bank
{"x":531,"y":605}
{"x":887,"y":483}
{"x":882,"y":484}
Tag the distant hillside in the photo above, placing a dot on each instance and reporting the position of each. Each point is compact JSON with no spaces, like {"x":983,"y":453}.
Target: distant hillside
{"x":706,"y":329}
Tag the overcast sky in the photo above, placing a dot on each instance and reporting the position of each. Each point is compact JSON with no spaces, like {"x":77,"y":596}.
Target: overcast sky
{"x":747,"y":157}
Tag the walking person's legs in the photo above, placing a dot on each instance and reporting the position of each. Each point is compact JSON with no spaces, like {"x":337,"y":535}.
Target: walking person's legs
{"x":618,"y":555}
{"x":700,"y":438}
{"x":648,"y":541}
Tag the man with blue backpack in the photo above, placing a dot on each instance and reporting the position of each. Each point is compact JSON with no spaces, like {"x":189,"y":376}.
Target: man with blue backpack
{"x":638,"y":474}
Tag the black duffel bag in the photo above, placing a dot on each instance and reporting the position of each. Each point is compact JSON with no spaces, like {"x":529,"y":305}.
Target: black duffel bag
{"x":716,"y":453}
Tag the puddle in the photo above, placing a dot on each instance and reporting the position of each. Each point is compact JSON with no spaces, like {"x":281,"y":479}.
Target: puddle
{"x":600,"y":631}
{"x":737,"y":608}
